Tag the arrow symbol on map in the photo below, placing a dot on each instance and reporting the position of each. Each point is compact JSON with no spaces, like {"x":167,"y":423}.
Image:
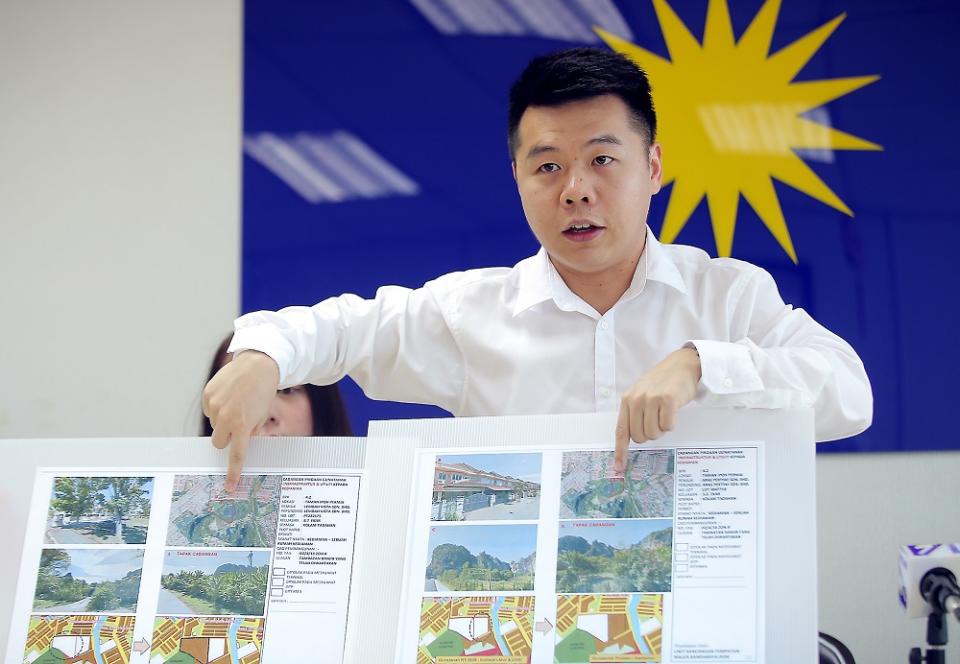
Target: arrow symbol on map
{"x":544,"y":626}
{"x":141,"y":646}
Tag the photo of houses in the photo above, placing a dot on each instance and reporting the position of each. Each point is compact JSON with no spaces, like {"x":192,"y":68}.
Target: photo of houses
{"x":481,"y":487}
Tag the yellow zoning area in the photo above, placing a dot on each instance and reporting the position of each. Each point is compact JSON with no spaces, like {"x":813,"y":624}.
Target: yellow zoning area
{"x":192,"y":635}
{"x":436,"y":613}
{"x":616,"y":607}
{"x":118,"y":629}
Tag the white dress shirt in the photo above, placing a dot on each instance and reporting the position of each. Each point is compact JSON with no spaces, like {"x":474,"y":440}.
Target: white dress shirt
{"x":511,"y":341}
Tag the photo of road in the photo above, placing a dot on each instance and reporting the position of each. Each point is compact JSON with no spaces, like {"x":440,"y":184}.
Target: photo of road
{"x":88,"y":580}
{"x":99,"y":510}
{"x":486,"y":487}
{"x":221,"y":582}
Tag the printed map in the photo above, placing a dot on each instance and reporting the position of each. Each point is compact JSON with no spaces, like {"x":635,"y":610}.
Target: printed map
{"x":207,"y":641}
{"x":625,"y":628}
{"x":589,"y":487}
{"x":203,"y":513}
{"x":476,"y":627}
{"x":69,"y":639}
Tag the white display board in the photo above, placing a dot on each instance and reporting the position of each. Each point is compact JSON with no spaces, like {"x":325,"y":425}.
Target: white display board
{"x":781,"y":443}
{"x":505,"y":540}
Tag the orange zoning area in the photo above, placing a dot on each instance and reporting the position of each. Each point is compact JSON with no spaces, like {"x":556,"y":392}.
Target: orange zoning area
{"x":114,"y":631}
{"x":206,"y":639}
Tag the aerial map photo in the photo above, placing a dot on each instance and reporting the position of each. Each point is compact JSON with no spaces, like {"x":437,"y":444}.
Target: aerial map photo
{"x":203,"y":513}
{"x":589,"y":488}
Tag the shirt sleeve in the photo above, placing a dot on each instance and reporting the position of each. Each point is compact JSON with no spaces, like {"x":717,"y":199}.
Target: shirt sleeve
{"x":781,"y":358}
{"x":398,"y":346}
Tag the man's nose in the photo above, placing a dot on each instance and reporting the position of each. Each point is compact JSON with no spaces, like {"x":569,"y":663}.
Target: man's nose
{"x":577,"y":189}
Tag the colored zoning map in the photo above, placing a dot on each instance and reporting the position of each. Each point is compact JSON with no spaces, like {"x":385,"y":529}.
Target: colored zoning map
{"x":589,"y":488}
{"x":608,"y":628}
{"x":462,"y":629}
{"x":68,"y":639}
{"x":207,"y":641}
{"x":203,"y":513}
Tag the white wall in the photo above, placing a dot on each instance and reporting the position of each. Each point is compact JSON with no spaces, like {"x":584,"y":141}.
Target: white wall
{"x":119,"y":211}
{"x":867,"y":507}
{"x":119,"y":252}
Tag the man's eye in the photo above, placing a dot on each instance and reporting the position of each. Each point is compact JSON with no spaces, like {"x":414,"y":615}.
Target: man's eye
{"x":602,"y":160}
{"x":549,"y":168}
{"x":290,"y":390}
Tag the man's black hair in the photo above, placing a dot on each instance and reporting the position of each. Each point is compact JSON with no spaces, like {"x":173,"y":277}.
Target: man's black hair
{"x":581,"y":73}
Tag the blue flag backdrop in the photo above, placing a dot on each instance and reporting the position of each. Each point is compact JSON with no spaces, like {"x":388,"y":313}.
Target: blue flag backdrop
{"x":375,"y":153}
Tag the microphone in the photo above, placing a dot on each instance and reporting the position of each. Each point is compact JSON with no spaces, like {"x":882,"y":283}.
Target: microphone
{"x":928,"y":579}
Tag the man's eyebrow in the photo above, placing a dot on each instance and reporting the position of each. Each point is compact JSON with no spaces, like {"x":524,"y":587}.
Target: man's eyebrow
{"x":605,"y":138}
{"x":608,"y":139}
{"x":537,"y":150}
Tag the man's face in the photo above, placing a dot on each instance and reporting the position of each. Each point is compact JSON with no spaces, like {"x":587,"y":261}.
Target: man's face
{"x":585,"y":176}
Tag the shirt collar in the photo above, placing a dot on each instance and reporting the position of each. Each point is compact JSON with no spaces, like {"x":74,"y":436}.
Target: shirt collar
{"x":539,"y":280}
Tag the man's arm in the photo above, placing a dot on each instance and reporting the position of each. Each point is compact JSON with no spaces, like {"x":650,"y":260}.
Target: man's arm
{"x":397,"y":346}
{"x":779,"y":357}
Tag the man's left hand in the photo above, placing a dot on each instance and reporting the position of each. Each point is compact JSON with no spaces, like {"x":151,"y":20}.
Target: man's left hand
{"x":650,"y":407}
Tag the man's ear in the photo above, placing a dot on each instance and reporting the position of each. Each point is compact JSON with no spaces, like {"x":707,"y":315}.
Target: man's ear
{"x":513,"y":167}
{"x":655,"y":156}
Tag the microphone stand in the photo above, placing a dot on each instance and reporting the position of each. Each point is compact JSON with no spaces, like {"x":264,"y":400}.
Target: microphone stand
{"x":936,"y":641}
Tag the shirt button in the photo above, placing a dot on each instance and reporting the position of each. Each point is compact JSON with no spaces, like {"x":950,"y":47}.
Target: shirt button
{"x":603,"y":325}
{"x":605,"y":393}
{"x":727,"y":382}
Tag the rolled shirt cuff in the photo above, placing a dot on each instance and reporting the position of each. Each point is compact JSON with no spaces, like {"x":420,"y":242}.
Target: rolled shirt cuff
{"x":726,"y":367}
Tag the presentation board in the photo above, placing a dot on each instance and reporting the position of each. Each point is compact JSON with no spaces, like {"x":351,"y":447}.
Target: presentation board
{"x":487,"y":540}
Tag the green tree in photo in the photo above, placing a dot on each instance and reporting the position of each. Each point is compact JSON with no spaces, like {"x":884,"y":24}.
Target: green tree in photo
{"x":104,"y":598}
{"x":128,"y":496}
{"x":75,"y":495}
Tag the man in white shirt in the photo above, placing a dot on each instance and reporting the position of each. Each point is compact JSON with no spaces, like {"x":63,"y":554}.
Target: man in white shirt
{"x":603,"y":318}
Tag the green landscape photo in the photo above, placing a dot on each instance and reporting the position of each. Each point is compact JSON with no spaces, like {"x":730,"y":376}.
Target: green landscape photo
{"x":88,"y":580}
{"x":615,"y":556}
{"x":222,"y":582}
{"x":487,"y":557}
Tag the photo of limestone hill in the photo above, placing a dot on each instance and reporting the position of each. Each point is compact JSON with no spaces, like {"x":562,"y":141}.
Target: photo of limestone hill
{"x":589,"y":487}
{"x":88,"y":581}
{"x":224,"y":582}
{"x":470,"y":558}
{"x":615,"y":556}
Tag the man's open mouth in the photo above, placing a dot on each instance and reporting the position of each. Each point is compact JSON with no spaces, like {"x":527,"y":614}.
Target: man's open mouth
{"x":582,"y":231}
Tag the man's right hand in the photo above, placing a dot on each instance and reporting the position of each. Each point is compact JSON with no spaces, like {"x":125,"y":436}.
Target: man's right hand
{"x":237,"y":401}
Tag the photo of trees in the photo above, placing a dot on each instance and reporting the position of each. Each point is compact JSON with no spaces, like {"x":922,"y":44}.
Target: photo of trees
{"x":99,"y":510}
{"x":225,"y":582}
{"x":88,"y":580}
{"x":481,"y":558}
{"x":615,"y":556}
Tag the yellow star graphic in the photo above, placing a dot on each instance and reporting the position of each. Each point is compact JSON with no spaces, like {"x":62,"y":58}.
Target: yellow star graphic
{"x":730,"y":118}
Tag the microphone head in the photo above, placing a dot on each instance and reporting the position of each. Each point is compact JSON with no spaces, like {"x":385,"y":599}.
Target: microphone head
{"x":915,"y":561}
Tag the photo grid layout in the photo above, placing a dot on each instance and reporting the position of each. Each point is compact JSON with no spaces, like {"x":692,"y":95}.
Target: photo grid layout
{"x":88,"y":577}
{"x":216,"y":570}
{"x":614,"y":555}
{"x":481,"y":556}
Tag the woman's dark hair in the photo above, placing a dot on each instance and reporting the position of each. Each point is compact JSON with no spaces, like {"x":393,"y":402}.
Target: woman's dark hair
{"x":577,"y":74}
{"x":326,"y":405}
